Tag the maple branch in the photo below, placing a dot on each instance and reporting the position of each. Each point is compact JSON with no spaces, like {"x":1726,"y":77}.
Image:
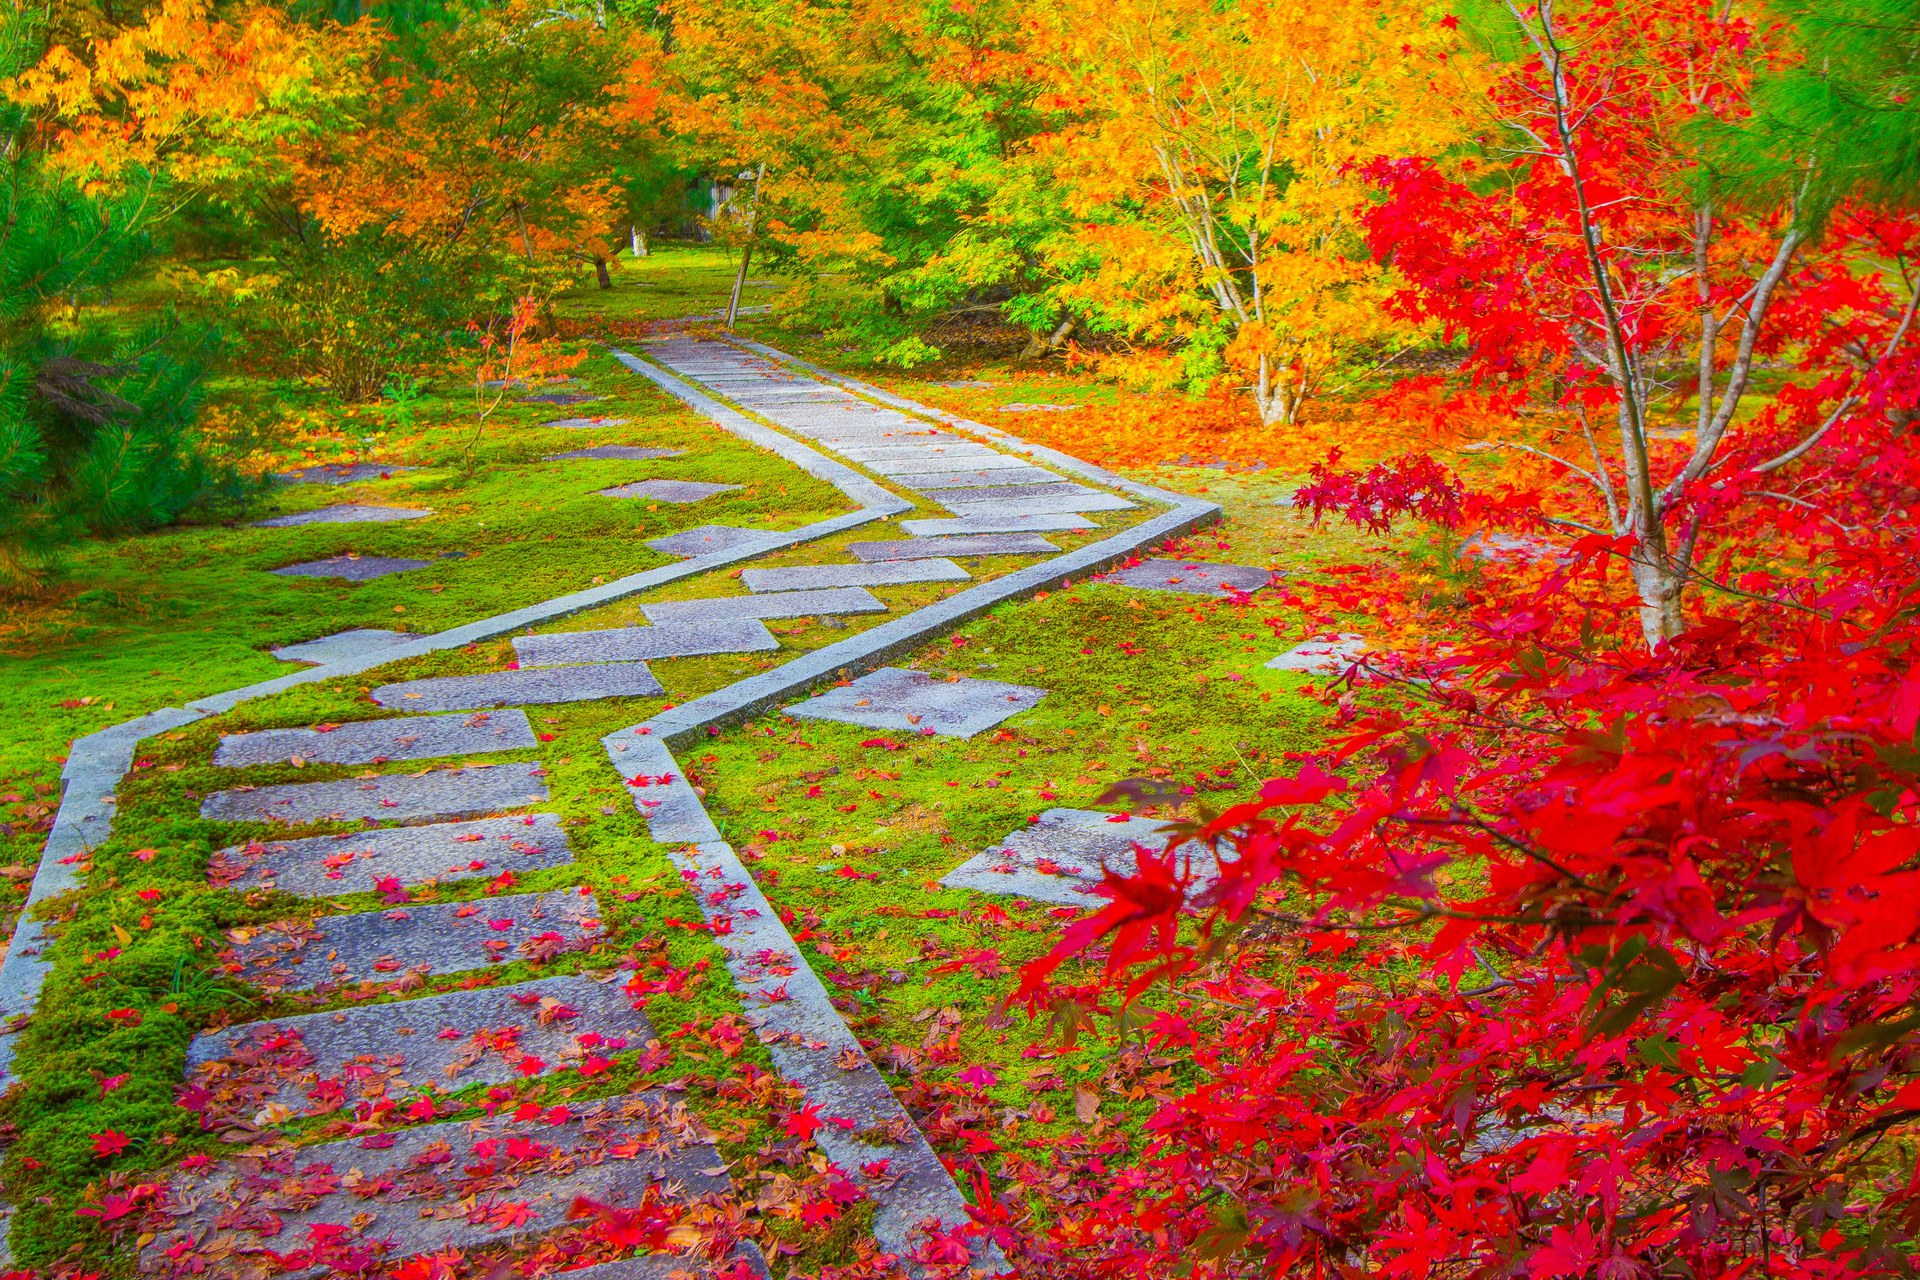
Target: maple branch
{"x":1852,"y":398}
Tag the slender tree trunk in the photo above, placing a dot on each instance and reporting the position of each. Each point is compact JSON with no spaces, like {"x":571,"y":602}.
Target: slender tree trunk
{"x":1038,"y":346}
{"x":600,"y":270}
{"x":739,"y":283}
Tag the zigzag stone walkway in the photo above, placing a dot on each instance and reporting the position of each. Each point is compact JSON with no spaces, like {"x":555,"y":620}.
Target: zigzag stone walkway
{"x":453,"y":1185}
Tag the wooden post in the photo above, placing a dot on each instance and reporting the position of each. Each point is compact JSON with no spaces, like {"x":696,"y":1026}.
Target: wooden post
{"x":746,"y":252}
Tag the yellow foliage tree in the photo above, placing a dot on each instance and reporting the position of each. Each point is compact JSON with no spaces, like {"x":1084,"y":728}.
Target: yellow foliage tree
{"x":1216,"y":161}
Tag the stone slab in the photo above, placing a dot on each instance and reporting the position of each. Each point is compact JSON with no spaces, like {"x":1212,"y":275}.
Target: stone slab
{"x":340,"y":473}
{"x":996,"y":524}
{"x":1191,"y":577}
{"x":372,"y":741}
{"x":352,"y":568}
{"x":1322,"y":655}
{"x":406,"y":1040}
{"x":915,"y":702}
{"x":884,"y":573}
{"x":616,"y":452}
{"x":330,"y":952}
{"x":967,"y":505}
{"x":984,"y":544}
{"x":585,"y":424}
{"x":447,"y":851}
{"x":1019,"y":407}
{"x":344,"y":513}
{"x":666,"y":490}
{"x":827,"y":602}
{"x":341,"y":645}
{"x":1059,"y":858}
{"x":988,"y":470}
{"x":659,"y":790}
{"x":638,"y":644}
{"x":964,"y":382}
{"x":707,"y":539}
{"x":561,"y":397}
{"x":1025,"y":481}
{"x":466,"y":792}
{"x":956,"y":449}
{"x":522,"y":688}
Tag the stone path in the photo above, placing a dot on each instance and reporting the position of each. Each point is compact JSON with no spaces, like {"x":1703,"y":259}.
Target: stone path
{"x":345,"y":513}
{"x":666,"y":490}
{"x":340,"y":473}
{"x":443,"y":1185}
{"x":1059,"y":858}
{"x":1322,"y":655}
{"x":354,"y":568}
{"x":1191,"y":577}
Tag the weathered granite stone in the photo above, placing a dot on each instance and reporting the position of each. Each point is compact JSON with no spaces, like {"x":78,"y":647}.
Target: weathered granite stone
{"x":1007,"y":485}
{"x":666,"y":490}
{"x":320,"y":865}
{"x":341,"y":645}
{"x":638,"y":644}
{"x":885,"y":573}
{"x":965,"y":504}
{"x":444,"y":793}
{"x":943,"y":464}
{"x":340,"y":473}
{"x":915,"y":702}
{"x":616,"y":452}
{"x":419,"y":938}
{"x":963,"y":382}
{"x":585,"y":424}
{"x":354,"y":568}
{"x":1059,"y":858}
{"x":370,"y":741}
{"x":984,"y":544}
{"x":706,"y":540}
{"x":996,"y":524}
{"x":1191,"y":577}
{"x":407,"y":1040}
{"x":957,"y":449}
{"x":1018,"y":407}
{"x":786,"y":604}
{"x":1322,"y":655}
{"x":345,"y":513}
{"x":659,"y":790}
{"x":561,"y":397}
{"x":522,"y":688}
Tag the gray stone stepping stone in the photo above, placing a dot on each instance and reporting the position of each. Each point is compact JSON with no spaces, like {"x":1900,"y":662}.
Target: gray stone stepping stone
{"x":465,"y":792}
{"x":660,"y":790}
{"x":666,"y":490}
{"x":966,"y":504}
{"x":1020,"y":407}
{"x":1026,"y":481}
{"x":345,"y":513}
{"x":707,"y":539}
{"x":983,"y":544}
{"x":940,"y":445}
{"x":357,"y":863}
{"x":638,"y":644}
{"x":1191,"y":576}
{"x":561,"y":397}
{"x":466,"y":1186}
{"x":940,"y":467}
{"x":915,"y":702}
{"x":341,"y":645}
{"x":352,"y":568}
{"x":1059,"y":858}
{"x":620,"y":452}
{"x":340,"y":473}
{"x":827,"y":602}
{"x":329,"y":952}
{"x":996,"y":524}
{"x":406,"y":1040}
{"x":1323,"y":655}
{"x":522,"y":688}
{"x":963,"y":382}
{"x":885,"y":573}
{"x":585,"y":424}
{"x":371,"y":741}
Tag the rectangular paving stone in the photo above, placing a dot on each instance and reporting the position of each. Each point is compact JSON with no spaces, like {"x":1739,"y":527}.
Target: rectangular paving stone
{"x":561,"y":398}
{"x":984,"y":544}
{"x":467,"y":792}
{"x":666,"y":490}
{"x":586,"y":424}
{"x":329,"y":952}
{"x":1191,"y":577}
{"x":499,"y":1034}
{"x":439,"y":1189}
{"x":446,"y":851}
{"x":344,"y":513}
{"x":352,"y":568}
{"x":708,"y":539}
{"x":340,"y":473}
{"x":522,"y":688}
{"x":915,"y":702}
{"x":786,"y":604}
{"x":368,"y":741}
{"x":997,"y":524}
{"x":619,"y":452}
{"x":637,"y":644}
{"x":1026,"y":481}
{"x":940,"y":445}
{"x":964,"y":503}
{"x":659,"y":790}
{"x":1323,"y":655}
{"x":1037,"y":408}
{"x":939,"y":466}
{"x":885,"y":573}
{"x":341,"y":645}
{"x":1059,"y":858}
